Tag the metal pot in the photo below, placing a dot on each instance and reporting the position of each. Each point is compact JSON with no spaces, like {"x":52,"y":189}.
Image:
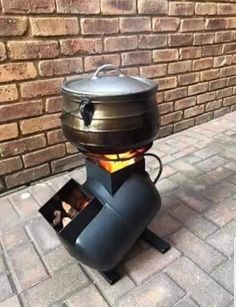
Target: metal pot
{"x":109,"y":114}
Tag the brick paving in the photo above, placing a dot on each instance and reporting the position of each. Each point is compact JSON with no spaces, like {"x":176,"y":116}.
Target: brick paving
{"x":198,"y":217}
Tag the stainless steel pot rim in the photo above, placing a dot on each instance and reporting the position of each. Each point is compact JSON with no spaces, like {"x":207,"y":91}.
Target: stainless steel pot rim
{"x":119,"y":85}
{"x":66,"y":90}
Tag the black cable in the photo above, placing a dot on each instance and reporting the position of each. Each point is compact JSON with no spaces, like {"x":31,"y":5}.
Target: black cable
{"x":160,"y":166}
{"x":136,"y":156}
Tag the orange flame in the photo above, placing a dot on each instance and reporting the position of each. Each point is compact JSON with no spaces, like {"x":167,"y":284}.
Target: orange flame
{"x":115,"y":162}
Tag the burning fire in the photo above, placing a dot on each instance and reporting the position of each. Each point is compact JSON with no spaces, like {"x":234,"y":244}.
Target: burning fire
{"x":115,"y":162}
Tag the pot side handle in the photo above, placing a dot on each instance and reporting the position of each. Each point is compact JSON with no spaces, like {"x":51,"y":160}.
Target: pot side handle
{"x":86,"y":111}
{"x":107,"y":67}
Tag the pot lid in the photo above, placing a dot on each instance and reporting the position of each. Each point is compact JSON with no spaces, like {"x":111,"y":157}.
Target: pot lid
{"x":109,"y":85}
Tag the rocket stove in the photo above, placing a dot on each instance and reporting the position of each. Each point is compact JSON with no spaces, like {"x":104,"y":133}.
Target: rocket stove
{"x":113,"y":121}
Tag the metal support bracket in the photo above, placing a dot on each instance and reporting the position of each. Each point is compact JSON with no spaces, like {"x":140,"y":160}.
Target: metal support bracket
{"x":111,"y":276}
{"x":157,"y":242}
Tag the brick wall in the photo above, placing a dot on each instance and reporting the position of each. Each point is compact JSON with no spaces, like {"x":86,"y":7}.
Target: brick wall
{"x":188,"y":47}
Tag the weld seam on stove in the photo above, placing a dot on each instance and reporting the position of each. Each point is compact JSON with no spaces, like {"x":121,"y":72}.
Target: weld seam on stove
{"x":104,"y":201}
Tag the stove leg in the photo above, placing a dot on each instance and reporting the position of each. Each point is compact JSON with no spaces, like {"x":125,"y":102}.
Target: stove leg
{"x":111,"y":276}
{"x":157,"y":242}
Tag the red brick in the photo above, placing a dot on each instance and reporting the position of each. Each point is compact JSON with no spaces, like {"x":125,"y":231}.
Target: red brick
{"x":164,"y":131}
{"x":78,"y":6}
{"x":231,"y":81}
{"x":120,"y":43}
{"x":234,"y":59}
{"x":26,"y":176}
{"x":13,"y":26}
{"x":171,"y":118}
{"x":190,"y":53}
{"x":228,"y":71}
{"x":232,"y":109}
{"x":194,"y":111}
{"x":28,"y":6}
{"x":40,"y":123}
{"x":130,"y":71}
{"x":188,"y":78}
{"x":53,"y":104}
{"x":81,"y":46}
{"x":165,"y":107}
{"x":229,"y":101}
{"x":176,"y":94}
{"x":185,"y":103}
{"x":184,"y":124}
{"x":60,"y":67}
{"x":159,"y":97}
{"x":179,"y":67}
{"x":17,"y":71}
{"x":210,"y":74}
{"x":225,"y":92}
{"x":180,"y":40}
{"x":229,"y":48}
{"x":206,"y":8}
{"x":70,"y":149}
{"x":181,"y":8}
{"x":153,"y":71}
{"x":197,"y":88}
{"x":192,"y":24}
{"x":90,"y":26}
{"x":165,"y":55}
{"x":230,"y":23}
{"x":8,"y":93}
{"x":135,"y":24}
{"x":93,"y":62}
{"x":165,"y":24}
{"x":226,"y":9}
{"x":10,"y":165}
{"x":217,"y":84}
{"x":136,"y":57}
{"x":203,"y":38}
{"x":22,"y":145}
{"x":211,"y":50}
{"x":67,"y":163}
{"x":206,"y":97}
{"x":22,"y":50}
{"x":166,"y":83}
{"x":8,"y":131}
{"x":152,"y":41}
{"x":221,"y":112}
{"x":153,"y":7}
{"x":3,"y":55}
{"x":202,"y":64}
{"x":54,"y":26}
{"x":118,"y":7}
{"x":204,"y":118}
{"x":41,"y":88}
{"x":215,"y":24}
{"x":44,"y":155}
{"x":222,"y":37}
{"x":55,"y":136}
{"x":20,"y":110}
{"x":223,"y":60}
{"x":213,"y":105}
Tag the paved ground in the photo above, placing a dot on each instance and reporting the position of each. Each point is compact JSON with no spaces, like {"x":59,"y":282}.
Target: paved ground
{"x":198,"y":216}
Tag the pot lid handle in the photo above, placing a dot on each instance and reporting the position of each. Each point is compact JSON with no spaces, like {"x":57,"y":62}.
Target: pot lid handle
{"x":107,"y":67}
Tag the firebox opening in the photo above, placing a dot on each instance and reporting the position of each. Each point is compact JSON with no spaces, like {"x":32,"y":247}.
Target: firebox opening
{"x":65,"y":205}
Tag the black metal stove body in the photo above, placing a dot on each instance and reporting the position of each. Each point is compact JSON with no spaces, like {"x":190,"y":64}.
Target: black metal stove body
{"x":130,"y":201}
{"x":122,"y":205}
